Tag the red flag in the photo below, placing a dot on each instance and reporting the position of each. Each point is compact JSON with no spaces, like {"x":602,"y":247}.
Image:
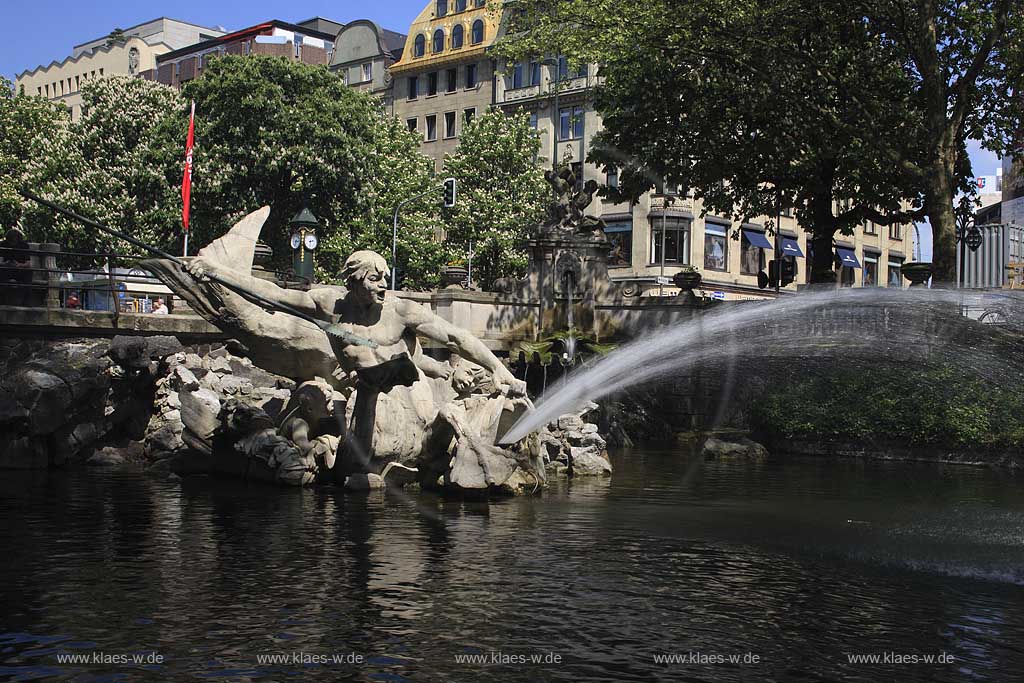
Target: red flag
{"x":186,"y":180}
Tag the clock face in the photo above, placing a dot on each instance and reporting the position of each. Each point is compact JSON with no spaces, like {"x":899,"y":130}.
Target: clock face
{"x":296,"y":240}
{"x":311,"y":241}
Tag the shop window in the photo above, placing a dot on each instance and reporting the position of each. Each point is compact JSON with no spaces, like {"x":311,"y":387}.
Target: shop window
{"x":716,"y":247}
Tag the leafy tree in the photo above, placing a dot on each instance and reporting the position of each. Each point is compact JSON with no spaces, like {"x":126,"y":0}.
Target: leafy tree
{"x":25,"y":123}
{"x":794,"y":103}
{"x":271,"y":131}
{"x":501,"y":194}
{"x":98,"y":168}
{"x":965,"y":60}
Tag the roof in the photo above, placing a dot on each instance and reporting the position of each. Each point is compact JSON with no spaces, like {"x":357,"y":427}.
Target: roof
{"x":85,"y":55}
{"x":393,"y":40}
{"x":143,"y":23}
{"x":244,"y":33}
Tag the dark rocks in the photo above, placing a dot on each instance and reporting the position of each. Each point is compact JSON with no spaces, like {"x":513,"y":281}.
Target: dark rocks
{"x":715,"y":448}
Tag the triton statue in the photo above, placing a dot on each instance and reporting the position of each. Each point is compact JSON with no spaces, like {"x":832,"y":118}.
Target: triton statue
{"x":399,"y":407}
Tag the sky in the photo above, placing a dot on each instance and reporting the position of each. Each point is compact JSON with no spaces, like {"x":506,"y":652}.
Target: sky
{"x":48,"y":29}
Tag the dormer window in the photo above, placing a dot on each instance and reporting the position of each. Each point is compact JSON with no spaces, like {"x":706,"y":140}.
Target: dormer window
{"x":457,"y":36}
{"x":438,"y":44}
{"x":477,"y":35}
{"x":419,"y":46}
{"x":442,"y":7}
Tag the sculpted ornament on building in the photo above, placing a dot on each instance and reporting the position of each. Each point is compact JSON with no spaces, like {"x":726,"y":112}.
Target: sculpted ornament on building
{"x":566,"y":212}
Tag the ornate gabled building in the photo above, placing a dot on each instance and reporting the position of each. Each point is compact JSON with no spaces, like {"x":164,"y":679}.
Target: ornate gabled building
{"x":363,"y":55}
{"x":445,"y":76}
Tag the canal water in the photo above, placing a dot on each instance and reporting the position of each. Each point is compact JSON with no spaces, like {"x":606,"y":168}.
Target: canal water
{"x":675,"y":569}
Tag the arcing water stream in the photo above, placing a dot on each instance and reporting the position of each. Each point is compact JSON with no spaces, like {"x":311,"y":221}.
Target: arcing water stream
{"x":835,"y":325}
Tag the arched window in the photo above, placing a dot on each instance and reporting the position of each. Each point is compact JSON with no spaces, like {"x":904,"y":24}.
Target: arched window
{"x":460,"y":5}
{"x":419,"y":46}
{"x":457,"y":35}
{"x":442,"y":7}
{"x":438,"y":45}
{"x":478,"y":32}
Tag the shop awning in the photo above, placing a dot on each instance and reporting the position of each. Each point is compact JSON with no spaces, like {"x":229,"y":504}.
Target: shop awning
{"x":790,"y":247}
{"x":847,"y":257}
{"x":757,"y":239}
{"x":618,"y":227}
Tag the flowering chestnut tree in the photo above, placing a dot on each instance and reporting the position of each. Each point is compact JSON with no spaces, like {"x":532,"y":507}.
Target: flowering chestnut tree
{"x":501,"y":196}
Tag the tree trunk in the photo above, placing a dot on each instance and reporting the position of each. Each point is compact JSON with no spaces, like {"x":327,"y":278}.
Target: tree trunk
{"x":822,"y":233}
{"x":939,"y":200}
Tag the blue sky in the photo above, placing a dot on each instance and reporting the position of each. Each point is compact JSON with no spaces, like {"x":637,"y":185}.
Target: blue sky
{"x":44,"y":30}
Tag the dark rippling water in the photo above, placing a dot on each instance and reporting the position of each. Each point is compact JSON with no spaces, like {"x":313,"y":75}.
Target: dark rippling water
{"x":799,"y":564}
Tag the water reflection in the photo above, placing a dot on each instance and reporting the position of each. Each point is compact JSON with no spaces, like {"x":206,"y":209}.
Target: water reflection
{"x":801,"y":563}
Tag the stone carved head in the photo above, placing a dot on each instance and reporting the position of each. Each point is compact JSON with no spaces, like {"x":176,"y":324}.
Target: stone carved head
{"x":365,"y":273}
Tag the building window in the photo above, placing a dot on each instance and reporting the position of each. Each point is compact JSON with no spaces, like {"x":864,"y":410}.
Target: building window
{"x":870,"y":228}
{"x":677,"y":240}
{"x":612,"y":178}
{"x":796,"y":265}
{"x":534,"y":72}
{"x":870,"y":270}
{"x":452,"y":76}
{"x":896,"y":231}
{"x":101,"y":72}
{"x":460,"y":5}
{"x":570,"y":123}
{"x":565,"y":72}
{"x":431,"y":128}
{"x":468,"y":115}
{"x":477,"y":32}
{"x":895,"y":273}
{"x":367,"y":72}
{"x":751,"y":256}
{"x":431,"y":83}
{"x":414,"y":87}
{"x":437,"y":45}
{"x":413,"y":125}
{"x":449,"y":124}
{"x":419,"y":46}
{"x":517,"y":75}
{"x":479,"y":3}
{"x":442,"y":7}
{"x":533,"y":120}
{"x":458,"y":33}
{"x":716,"y":247}
{"x":471,"y":75}
{"x":620,"y":239}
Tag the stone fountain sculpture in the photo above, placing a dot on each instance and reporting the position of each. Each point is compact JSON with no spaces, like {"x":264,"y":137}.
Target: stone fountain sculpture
{"x":363,"y":414}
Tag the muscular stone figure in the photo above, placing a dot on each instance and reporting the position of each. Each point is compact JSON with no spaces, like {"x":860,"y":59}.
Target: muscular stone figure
{"x":396,"y":408}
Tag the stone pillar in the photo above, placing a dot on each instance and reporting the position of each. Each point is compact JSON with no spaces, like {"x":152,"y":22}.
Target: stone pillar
{"x":48,"y":260}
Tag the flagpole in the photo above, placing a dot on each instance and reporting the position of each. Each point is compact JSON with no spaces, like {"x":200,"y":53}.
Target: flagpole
{"x":186,"y":179}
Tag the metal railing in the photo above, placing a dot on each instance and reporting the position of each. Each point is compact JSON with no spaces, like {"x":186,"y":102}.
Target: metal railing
{"x":43,"y":275}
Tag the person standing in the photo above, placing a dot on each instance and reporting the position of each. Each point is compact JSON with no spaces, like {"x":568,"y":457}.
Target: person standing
{"x":16,"y":272}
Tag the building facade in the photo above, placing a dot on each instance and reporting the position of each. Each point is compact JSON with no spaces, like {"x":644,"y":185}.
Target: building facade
{"x":279,"y":38}
{"x":445,"y":77}
{"x":363,"y":55}
{"x":665,"y":229}
{"x":130,"y":54}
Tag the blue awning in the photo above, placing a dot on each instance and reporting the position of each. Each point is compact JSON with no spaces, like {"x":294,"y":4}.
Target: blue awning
{"x":757,"y":239}
{"x":790,"y":247}
{"x":618,"y":227}
{"x":848,"y":258}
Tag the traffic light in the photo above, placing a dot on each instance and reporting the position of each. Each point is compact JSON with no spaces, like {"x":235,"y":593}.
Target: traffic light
{"x":788,"y":272}
{"x":449,"y":193}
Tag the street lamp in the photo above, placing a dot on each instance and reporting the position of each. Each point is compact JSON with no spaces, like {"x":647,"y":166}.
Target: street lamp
{"x":556,"y":120}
